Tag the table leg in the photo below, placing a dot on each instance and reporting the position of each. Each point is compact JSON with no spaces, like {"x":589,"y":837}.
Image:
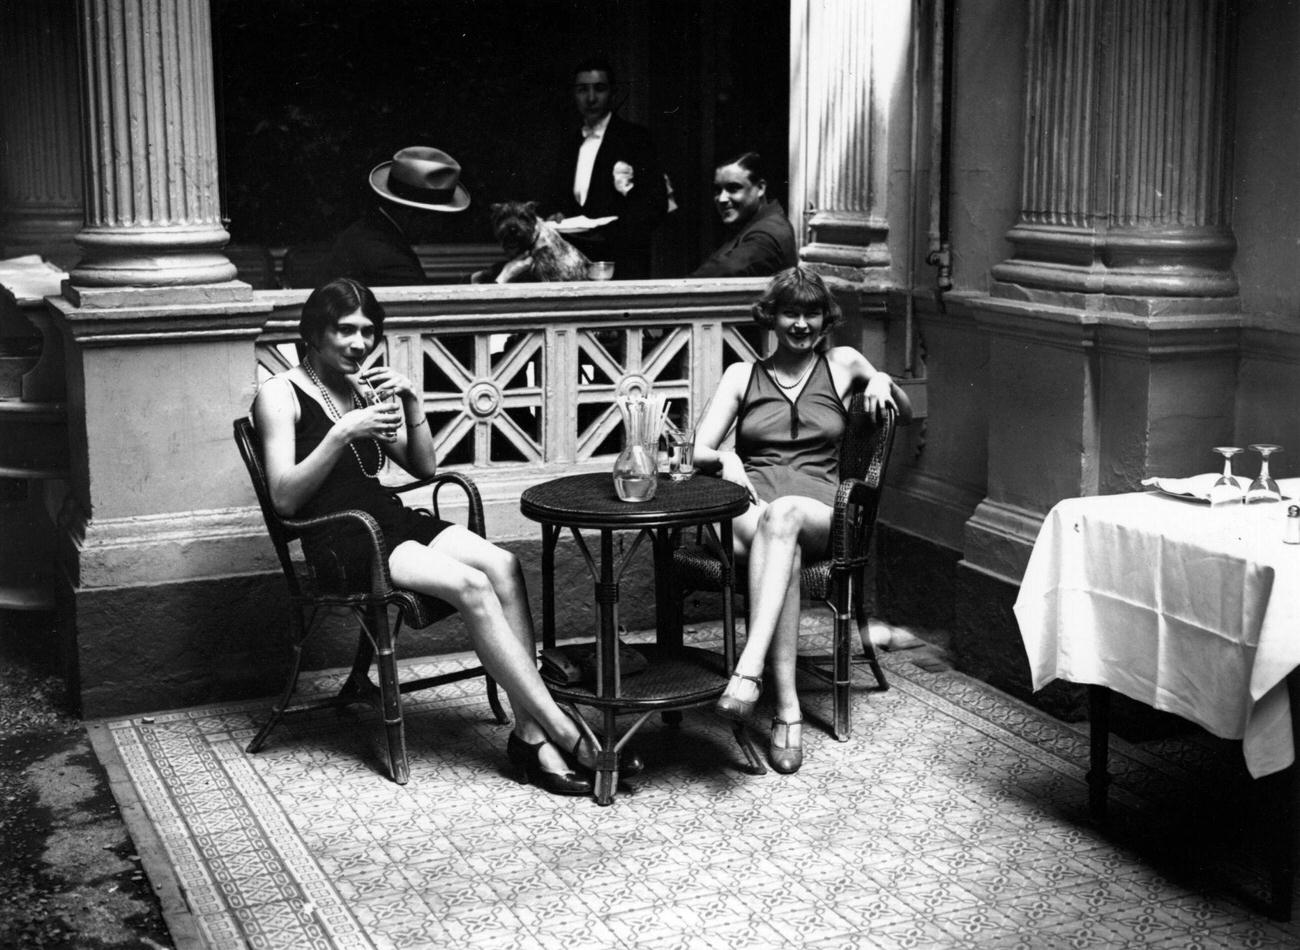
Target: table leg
{"x":607,"y":685}
{"x":1284,"y":788}
{"x":550,"y":535}
{"x":727,"y":553}
{"x":607,"y":763}
{"x":1099,"y":749}
{"x":1276,"y":797}
{"x":668,"y":620}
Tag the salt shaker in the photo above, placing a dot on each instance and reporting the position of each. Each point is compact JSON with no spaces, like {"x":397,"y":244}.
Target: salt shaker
{"x":1291,"y":534}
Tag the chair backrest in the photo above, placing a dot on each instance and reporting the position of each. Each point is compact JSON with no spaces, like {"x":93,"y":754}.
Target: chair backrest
{"x":865,"y":445}
{"x":864,"y":454}
{"x":250,"y":450}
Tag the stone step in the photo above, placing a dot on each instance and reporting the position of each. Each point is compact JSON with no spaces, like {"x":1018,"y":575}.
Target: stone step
{"x":12,"y":370}
{"x":26,"y":557}
{"x":33,"y":439}
{"x":31,"y":598}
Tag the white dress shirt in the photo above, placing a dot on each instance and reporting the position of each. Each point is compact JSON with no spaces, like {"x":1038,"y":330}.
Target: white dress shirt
{"x":591,"y":136}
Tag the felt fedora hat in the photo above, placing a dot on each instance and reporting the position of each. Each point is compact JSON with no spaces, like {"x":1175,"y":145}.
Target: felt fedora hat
{"x":421,"y":177}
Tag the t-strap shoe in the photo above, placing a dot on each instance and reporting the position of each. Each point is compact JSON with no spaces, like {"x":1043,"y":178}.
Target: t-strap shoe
{"x":526,"y":757}
{"x":730,"y":705}
{"x":786,"y":756}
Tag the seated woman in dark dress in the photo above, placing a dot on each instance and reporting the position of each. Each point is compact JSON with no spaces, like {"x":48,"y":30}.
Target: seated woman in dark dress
{"x":324,"y":446}
{"x":789,"y":413}
{"x":760,"y":239}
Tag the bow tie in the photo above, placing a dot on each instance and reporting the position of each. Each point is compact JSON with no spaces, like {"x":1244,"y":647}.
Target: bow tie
{"x":588,"y":133}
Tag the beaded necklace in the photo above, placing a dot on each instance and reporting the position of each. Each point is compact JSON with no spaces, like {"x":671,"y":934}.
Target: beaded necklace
{"x":337,"y":416}
{"x":802,"y":375}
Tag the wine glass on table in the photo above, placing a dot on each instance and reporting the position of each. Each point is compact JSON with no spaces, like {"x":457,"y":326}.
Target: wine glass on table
{"x":1228,"y":490}
{"x":1263,"y":488}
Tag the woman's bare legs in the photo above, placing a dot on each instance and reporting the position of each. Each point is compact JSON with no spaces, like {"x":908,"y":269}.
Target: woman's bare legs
{"x":486,"y":586}
{"x":773,"y":537}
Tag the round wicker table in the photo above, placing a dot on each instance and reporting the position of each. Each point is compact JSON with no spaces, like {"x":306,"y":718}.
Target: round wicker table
{"x":676,"y":676}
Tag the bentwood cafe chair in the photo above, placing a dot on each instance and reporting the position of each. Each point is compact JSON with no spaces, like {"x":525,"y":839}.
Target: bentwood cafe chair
{"x":313,"y":596}
{"x":839,"y":580}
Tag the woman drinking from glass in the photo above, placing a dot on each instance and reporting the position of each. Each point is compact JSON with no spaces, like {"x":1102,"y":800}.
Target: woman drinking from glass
{"x":324,"y":444}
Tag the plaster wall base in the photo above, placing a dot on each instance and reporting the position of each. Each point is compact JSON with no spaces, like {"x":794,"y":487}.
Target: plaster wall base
{"x":183,"y":641}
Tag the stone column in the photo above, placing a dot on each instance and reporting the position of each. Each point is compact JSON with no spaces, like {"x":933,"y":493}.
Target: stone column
{"x":1126,"y":192}
{"x":158,"y":537}
{"x":153,"y":214}
{"x":846,"y":59}
{"x":40,"y":131}
{"x":1113,"y":330}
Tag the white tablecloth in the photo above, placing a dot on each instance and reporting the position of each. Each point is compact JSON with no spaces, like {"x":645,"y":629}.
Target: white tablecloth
{"x":1189,"y":609}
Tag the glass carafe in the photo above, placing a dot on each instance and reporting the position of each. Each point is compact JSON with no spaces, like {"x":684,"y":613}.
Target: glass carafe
{"x":636,"y":468}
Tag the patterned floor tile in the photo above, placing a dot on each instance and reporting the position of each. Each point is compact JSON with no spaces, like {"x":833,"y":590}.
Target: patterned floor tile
{"x":955,"y":817}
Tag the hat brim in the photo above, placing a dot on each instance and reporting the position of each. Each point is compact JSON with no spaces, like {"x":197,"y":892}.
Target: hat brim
{"x":379,"y":182}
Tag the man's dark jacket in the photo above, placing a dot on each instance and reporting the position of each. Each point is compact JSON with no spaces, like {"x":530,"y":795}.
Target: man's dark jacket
{"x":762,"y":247}
{"x":374,"y":251}
{"x":626,"y":241}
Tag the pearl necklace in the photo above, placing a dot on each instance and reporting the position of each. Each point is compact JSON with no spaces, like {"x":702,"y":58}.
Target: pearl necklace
{"x":337,"y":416}
{"x":802,"y":375}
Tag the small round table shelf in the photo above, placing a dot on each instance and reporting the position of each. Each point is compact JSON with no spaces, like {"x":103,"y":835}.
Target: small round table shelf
{"x":676,"y":676}
{"x":672,"y":679}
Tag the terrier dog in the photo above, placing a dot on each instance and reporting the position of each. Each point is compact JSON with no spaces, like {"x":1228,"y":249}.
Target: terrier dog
{"x":538,"y":251}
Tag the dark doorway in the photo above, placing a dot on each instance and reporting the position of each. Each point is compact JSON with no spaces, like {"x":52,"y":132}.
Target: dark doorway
{"x":313,"y":93}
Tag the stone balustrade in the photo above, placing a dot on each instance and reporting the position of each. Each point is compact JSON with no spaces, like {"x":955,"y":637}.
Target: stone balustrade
{"x":520,"y":383}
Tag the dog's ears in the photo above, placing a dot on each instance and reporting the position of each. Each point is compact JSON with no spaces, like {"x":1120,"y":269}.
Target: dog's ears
{"x":531,"y":207}
{"x":496,"y":207}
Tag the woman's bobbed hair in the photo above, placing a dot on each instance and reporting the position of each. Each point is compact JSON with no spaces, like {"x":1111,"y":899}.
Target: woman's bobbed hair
{"x":796,"y":287}
{"x":330,"y":302}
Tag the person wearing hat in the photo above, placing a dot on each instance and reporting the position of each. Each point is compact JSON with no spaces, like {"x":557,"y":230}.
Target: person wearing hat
{"x":607,"y":168}
{"x":376,"y":249}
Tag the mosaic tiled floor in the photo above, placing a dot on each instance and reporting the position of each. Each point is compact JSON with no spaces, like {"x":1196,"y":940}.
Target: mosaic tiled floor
{"x":955,"y":817}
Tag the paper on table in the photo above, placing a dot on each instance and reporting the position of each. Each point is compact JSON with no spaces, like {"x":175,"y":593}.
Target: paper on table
{"x":581,"y":222}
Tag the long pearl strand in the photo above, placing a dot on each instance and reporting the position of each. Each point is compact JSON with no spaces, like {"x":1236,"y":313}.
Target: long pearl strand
{"x":336,"y":416}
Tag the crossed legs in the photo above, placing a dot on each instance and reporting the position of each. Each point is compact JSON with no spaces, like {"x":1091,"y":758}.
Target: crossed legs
{"x":771,"y":538}
{"x":486,"y":586}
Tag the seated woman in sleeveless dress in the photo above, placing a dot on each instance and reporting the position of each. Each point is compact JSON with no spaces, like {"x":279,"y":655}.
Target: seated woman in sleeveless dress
{"x":789,"y":412}
{"x":324,"y":445}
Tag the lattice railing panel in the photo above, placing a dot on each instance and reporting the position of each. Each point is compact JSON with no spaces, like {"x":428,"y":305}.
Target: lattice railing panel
{"x":530,"y":383}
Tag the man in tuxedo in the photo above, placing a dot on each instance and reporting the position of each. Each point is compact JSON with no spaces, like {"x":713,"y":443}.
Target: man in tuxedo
{"x":608,"y":167}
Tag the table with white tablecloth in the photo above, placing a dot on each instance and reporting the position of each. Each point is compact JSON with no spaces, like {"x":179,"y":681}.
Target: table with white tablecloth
{"x":1188,"y":608}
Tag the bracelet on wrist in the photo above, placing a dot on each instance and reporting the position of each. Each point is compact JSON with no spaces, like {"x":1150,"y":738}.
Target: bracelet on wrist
{"x":424,"y":420}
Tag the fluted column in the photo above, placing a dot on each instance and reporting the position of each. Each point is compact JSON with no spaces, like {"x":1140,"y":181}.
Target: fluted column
{"x":845,"y":58}
{"x":1113,"y":331}
{"x":153,"y":215}
{"x":1126,"y":166}
{"x":40,"y":130}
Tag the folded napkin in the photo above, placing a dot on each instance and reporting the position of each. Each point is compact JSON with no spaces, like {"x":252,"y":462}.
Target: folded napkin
{"x":1198,"y":487}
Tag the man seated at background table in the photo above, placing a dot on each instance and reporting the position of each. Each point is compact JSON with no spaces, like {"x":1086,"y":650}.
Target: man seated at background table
{"x":761,"y":240}
{"x":412,"y":192}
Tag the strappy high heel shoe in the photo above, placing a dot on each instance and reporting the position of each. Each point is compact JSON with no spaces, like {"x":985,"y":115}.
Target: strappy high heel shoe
{"x":526,"y":757}
{"x":786,"y":757}
{"x":730,"y":705}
